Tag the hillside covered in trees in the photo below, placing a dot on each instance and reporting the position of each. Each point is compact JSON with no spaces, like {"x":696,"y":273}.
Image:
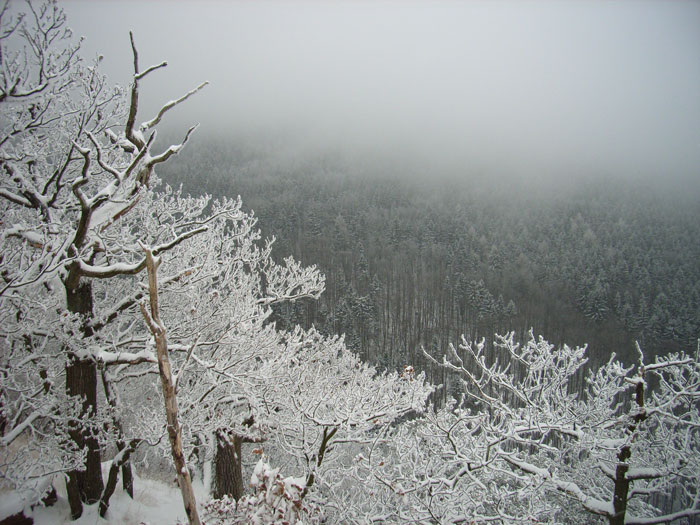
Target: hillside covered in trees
{"x":416,"y":264}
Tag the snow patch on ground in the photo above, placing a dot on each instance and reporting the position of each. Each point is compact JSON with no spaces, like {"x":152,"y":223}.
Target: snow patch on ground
{"x":155,"y":503}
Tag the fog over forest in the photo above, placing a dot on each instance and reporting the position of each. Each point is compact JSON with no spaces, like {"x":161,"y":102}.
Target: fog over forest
{"x":541,"y":90}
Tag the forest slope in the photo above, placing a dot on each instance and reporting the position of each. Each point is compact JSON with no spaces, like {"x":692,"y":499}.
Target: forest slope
{"x":411,"y":263}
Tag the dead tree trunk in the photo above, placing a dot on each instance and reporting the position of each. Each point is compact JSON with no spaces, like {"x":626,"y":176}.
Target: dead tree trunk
{"x":157,"y":328}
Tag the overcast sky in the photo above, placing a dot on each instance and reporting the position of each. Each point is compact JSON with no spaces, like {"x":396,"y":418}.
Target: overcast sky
{"x":537,"y":88}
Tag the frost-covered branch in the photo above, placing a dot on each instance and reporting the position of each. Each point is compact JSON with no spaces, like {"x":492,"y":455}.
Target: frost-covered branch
{"x":522,"y":435}
{"x":168,"y":106}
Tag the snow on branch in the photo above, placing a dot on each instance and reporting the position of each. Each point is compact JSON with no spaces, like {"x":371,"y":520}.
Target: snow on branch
{"x":168,"y":106}
{"x":172,"y":150}
{"x":112,"y":270}
{"x":522,"y":433}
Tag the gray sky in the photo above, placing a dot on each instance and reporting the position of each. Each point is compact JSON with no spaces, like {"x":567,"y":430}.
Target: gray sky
{"x":533,"y":88}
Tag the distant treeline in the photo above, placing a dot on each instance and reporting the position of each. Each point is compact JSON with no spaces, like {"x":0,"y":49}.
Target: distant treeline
{"x":413,"y":264}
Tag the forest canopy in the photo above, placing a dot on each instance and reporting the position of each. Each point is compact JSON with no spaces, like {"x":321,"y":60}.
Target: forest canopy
{"x":413,"y":263}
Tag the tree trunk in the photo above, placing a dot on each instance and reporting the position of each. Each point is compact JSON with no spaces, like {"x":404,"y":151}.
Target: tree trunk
{"x":311,"y":478}
{"x":228,"y":471}
{"x":621,"y":492}
{"x":84,"y":486}
{"x":120,"y":460}
{"x":3,"y":419}
{"x":81,"y":380}
{"x":113,"y":401}
{"x":157,"y":328}
{"x":622,"y":484}
{"x":128,"y":479}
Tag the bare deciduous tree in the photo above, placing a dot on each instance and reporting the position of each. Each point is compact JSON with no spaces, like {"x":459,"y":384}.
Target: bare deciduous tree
{"x":69,"y":182}
{"x":522,"y":445}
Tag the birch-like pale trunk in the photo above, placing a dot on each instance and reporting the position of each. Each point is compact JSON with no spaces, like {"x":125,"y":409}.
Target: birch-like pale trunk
{"x":157,"y":328}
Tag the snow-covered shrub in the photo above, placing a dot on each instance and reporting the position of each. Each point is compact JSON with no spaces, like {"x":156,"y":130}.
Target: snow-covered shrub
{"x":274,"y":500}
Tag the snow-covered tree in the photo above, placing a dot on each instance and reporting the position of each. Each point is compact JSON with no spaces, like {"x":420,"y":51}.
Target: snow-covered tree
{"x":215,"y":300}
{"x":522,"y":445}
{"x":81,"y":219}
{"x":76,"y":168}
{"x":240,"y":379}
{"x":274,"y":500}
{"x":329,"y":408}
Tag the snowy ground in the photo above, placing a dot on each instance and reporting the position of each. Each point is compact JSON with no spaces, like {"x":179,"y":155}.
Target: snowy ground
{"x":154,"y":503}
